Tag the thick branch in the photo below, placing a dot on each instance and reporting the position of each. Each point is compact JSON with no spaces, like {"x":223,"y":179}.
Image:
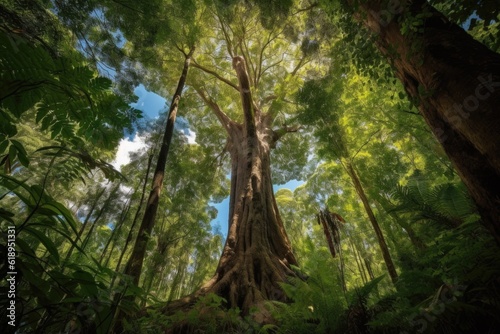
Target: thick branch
{"x":277,"y":134}
{"x":215,"y":74}
{"x":246,"y":55}
{"x":246,"y":95}
{"x":221,"y":116}
{"x":229,"y":44}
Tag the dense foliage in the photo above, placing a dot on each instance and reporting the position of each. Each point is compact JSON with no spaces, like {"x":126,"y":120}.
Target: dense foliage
{"x":357,"y":144}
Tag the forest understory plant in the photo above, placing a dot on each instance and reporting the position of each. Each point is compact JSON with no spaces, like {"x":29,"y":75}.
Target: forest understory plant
{"x":388,"y":131}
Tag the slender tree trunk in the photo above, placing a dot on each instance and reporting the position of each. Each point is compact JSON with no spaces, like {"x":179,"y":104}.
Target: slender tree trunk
{"x":369,"y":268}
{"x":456,"y":80}
{"x":134,"y":221}
{"x":84,"y":225}
{"x":175,"y":286}
{"x":134,"y":264}
{"x":342,"y":270}
{"x":103,"y":209}
{"x":358,"y":263}
{"x":378,"y":232}
{"x":257,"y":255}
{"x":116,"y":229}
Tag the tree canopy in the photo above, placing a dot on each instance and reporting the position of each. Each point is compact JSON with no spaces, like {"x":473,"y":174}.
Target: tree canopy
{"x":383,"y":113}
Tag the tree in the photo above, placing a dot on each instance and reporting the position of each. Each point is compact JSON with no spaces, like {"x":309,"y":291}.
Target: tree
{"x":455,"y":81}
{"x":320,"y":101}
{"x":257,"y":255}
{"x":134,"y":265}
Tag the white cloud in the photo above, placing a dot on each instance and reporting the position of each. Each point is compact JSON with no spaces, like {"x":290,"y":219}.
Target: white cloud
{"x":190,"y":135}
{"x":124,"y":148}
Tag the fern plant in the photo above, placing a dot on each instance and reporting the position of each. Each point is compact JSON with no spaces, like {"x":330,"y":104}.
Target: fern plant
{"x":61,"y":94}
{"x":446,"y":204}
{"x":316,"y":302}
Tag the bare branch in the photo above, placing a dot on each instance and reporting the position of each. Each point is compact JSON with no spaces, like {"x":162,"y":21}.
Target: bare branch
{"x":259,"y":71}
{"x":272,"y":65}
{"x":248,"y":61}
{"x":229,"y":44}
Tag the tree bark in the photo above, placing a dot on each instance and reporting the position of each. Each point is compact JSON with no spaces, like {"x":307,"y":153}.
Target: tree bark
{"x":358,"y":261}
{"x":257,"y":255}
{"x":378,"y":232}
{"x":456,"y":81}
{"x":134,"y":264}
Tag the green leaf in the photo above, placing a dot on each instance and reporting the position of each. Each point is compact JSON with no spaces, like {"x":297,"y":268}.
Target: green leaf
{"x":87,"y":282}
{"x":3,"y":145}
{"x":12,"y":154}
{"x":21,"y":153}
{"x":42,"y":111}
{"x":7,"y":215}
{"x":25,"y":247}
{"x":60,"y":209}
{"x":49,"y":245}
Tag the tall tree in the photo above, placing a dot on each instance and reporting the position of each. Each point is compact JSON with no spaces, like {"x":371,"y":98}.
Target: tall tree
{"x":134,"y":264}
{"x":136,"y":259}
{"x":456,"y":83}
{"x":257,"y":255}
{"x":320,"y":101}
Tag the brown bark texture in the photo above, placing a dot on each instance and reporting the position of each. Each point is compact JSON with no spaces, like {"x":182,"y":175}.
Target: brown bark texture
{"x":456,"y":81}
{"x":134,"y":264}
{"x":257,"y":255}
{"x":331,"y":223}
{"x":136,"y":260}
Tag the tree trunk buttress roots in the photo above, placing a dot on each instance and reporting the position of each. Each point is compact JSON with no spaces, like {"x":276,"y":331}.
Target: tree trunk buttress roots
{"x":257,"y":255}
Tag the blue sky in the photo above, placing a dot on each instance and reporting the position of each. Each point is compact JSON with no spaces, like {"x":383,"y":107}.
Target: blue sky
{"x":151,"y":105}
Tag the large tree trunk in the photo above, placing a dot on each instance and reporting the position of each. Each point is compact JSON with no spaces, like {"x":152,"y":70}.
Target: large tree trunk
{"x":257,"y":255}
{"x":371,"y":216}
{"x":457,"y":83}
